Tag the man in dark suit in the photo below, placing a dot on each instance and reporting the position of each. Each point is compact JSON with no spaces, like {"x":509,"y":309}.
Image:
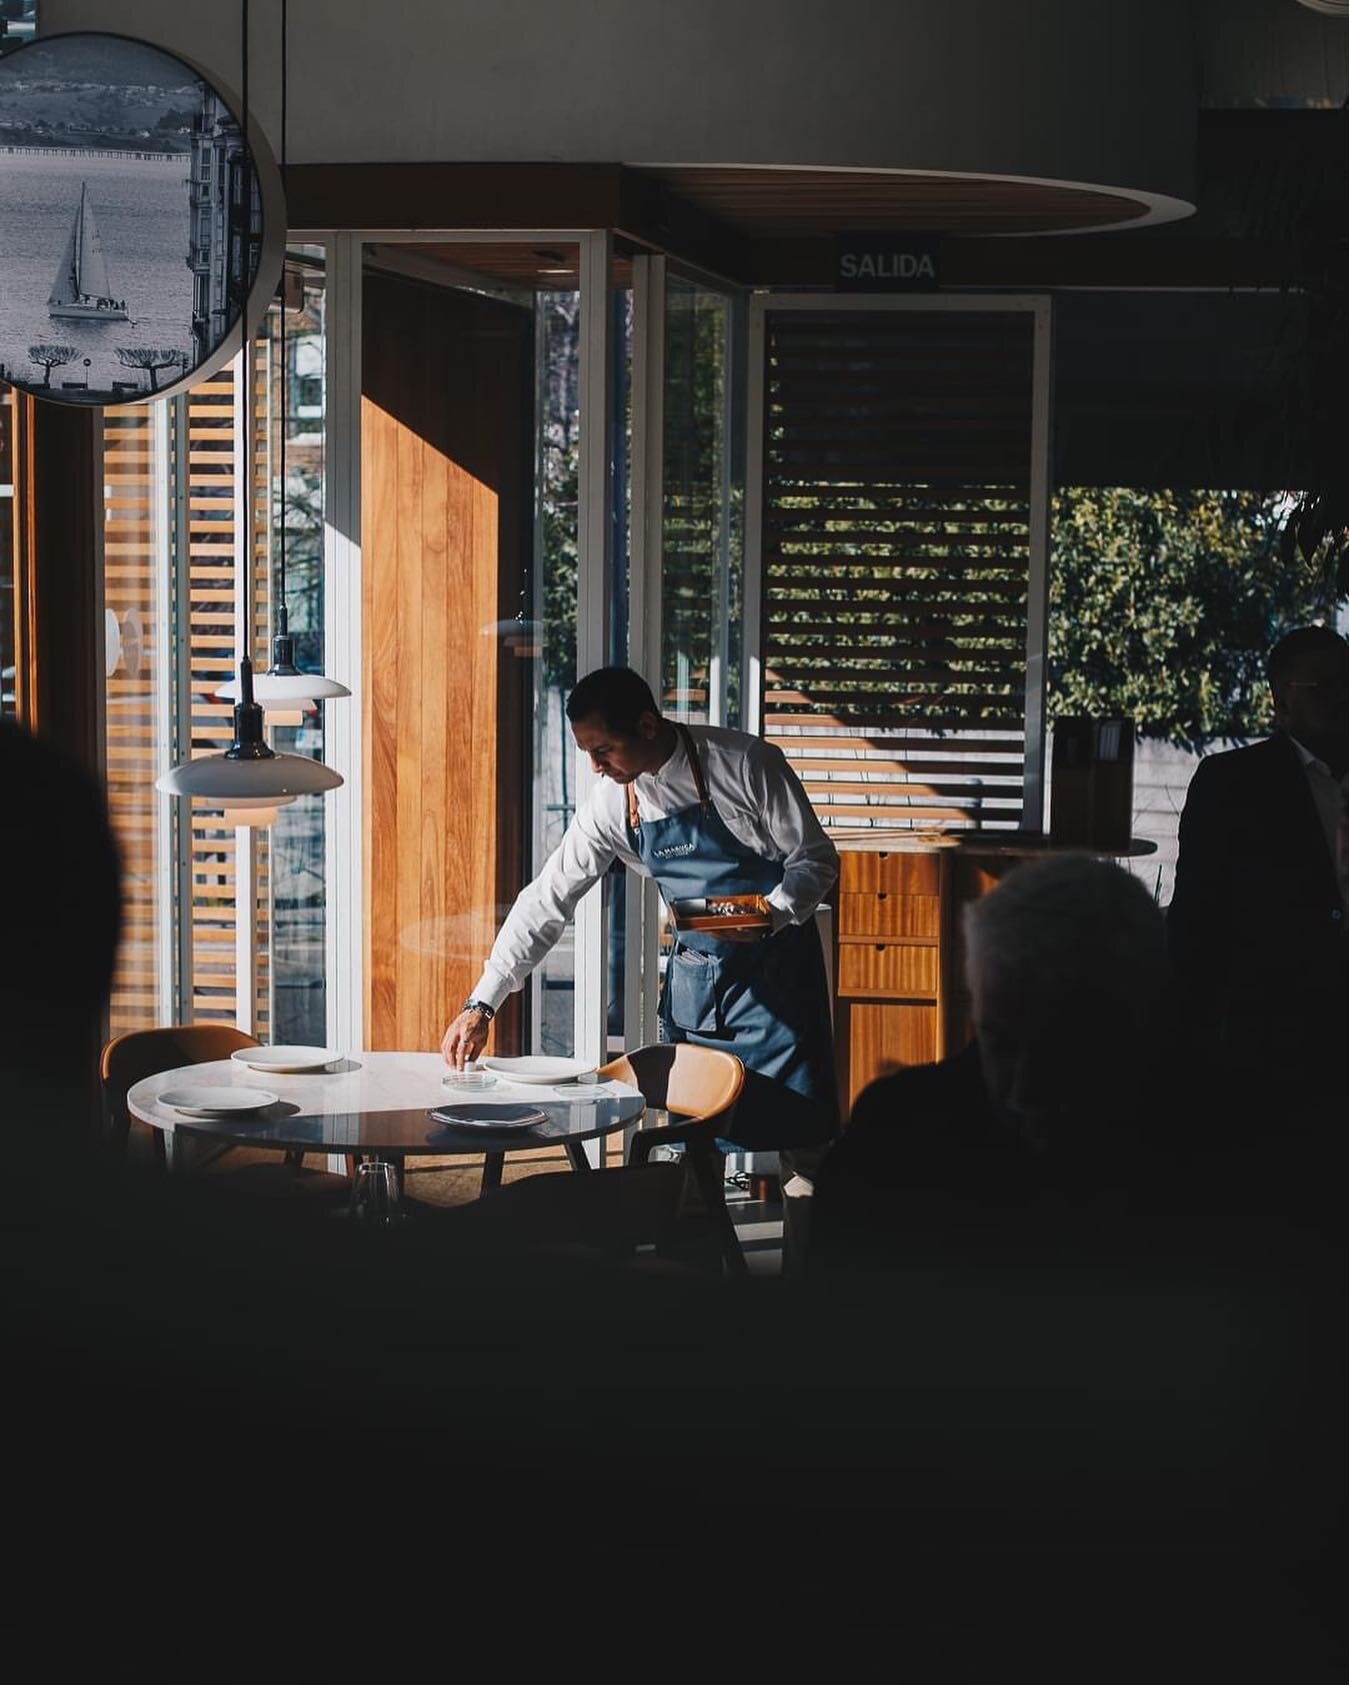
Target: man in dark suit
{"x":1257,"y":923}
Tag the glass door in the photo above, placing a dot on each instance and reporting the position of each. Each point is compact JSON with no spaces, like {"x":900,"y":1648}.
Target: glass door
{"x":687,"y":571}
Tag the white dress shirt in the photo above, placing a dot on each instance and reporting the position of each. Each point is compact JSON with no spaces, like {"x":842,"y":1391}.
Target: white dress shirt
{"x":753,"y":789}
{"x":1330,"y":795}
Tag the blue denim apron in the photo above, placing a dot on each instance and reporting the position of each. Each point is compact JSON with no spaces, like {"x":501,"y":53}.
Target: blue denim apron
{"x":766,"y":1001}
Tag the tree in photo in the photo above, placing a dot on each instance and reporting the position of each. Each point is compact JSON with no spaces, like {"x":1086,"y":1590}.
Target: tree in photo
{"x":49,"y":357}
{"x":1164,"y":605}
{"x":151,"y":359}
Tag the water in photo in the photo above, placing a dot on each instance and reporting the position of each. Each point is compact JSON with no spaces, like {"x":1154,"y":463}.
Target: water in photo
{"x":129,"y":219}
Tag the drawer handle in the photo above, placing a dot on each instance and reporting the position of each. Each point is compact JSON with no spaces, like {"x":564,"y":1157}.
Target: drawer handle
{"x":881,"y":896}
{"x":880,"y":947}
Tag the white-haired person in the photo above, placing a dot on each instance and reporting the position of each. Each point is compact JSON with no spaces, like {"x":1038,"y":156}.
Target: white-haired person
{"x":1058,"y":1108}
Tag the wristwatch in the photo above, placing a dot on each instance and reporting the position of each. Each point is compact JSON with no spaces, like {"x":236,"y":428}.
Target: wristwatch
{"x":471,"y":1005}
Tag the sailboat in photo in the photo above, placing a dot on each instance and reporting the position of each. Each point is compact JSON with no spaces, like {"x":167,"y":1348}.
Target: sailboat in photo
{"x":82,"y":288}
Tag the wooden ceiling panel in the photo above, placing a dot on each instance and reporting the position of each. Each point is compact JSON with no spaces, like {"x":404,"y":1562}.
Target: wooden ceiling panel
{"x":787,"y":204}
{"x":543,"y":266}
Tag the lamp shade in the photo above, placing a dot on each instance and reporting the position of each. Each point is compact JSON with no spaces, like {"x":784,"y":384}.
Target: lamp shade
{"x":226,"y":780}
{"x":284,"y":690}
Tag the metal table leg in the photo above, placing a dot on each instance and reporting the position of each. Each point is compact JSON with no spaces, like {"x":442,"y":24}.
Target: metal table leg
{"x":576,"y":1152}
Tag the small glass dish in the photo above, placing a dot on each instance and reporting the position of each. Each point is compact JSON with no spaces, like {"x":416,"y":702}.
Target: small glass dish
{"x":469,"y":1080}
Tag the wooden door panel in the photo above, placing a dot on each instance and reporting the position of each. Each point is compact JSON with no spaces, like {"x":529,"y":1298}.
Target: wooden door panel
{"x":885,"y":1038}
{"x":447,"y":478}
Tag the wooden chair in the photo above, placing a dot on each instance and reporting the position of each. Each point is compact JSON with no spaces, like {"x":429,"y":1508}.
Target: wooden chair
{"x":698,"y":1088}
{"x":616,"y":1210}
{"x":128,"y":1059}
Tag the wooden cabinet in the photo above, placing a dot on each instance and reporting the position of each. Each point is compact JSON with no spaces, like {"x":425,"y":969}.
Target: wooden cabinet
{"x":888,"y":964}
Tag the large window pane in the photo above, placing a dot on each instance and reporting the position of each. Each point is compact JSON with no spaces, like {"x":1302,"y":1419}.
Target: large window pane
{"x":291,"y":353}
{"x":1164,"y":603}
{"x":558,"y":368}
{"x":221,"y":922}
{"x":701,"y":574}
{"x":8,"y":582}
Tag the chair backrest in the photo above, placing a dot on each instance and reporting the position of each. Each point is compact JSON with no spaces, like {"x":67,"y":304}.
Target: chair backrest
{"x":700,"y":1084}
{"x":143,"y":1053}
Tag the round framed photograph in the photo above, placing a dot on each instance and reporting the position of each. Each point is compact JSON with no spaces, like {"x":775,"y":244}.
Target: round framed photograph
{"x":141,"y":232}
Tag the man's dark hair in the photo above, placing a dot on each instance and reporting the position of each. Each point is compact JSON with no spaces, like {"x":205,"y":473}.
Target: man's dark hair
{"x":1290,"y":649}
{"x":618,"y":695}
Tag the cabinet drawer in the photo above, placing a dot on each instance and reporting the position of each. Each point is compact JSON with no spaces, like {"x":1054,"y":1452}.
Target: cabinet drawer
{"x":888,"y":914}
{"x":864,"y":873}
{"x":905,"y":971}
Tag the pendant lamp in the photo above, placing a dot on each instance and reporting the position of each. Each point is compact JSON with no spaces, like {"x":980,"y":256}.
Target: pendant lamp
{"x":250,"y":781}
{"x":283,"y":689}
{"x":249,"y":768}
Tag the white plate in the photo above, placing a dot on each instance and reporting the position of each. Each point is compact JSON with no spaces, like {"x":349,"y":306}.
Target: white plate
{"x":286,"y":1058}
{"x":217,"y":1102}
{"x":495,"y":1118}
{"x":536,"y":1069}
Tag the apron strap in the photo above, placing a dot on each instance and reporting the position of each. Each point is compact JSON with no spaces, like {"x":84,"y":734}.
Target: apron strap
{"x":691,"y":750}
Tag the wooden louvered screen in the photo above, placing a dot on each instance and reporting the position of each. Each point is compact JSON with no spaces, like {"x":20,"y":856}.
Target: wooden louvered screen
{"x":170,"y":569}
{"x":213,"y":557}
{"x":134,"y":600}
{"x":896,"y":538}
{"x":9,"y":553}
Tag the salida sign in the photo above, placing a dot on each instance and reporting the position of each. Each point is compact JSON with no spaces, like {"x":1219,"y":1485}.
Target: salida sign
{"x":885,"y":263}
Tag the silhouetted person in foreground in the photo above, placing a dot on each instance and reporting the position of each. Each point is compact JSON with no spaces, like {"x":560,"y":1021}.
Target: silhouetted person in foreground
{"x":1257,"y":922}
{"x":61,"y":911}
{"x":1052,"y":1118}
{"x":254,"y":1444}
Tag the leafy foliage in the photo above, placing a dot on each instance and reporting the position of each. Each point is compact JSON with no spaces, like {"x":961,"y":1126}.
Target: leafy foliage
{"x":1164,"y":604}
{"x":559,"y":490}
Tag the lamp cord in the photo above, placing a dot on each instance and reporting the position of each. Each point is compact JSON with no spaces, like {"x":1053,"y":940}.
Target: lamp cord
{"x":283,"y":616}
{"x":246,"y":538}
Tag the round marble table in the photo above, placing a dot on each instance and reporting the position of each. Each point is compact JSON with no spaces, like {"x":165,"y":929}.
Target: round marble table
{"x":375,"y":1106}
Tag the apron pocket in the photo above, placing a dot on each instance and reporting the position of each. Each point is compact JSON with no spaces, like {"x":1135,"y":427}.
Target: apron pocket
{"x":691,"y":990}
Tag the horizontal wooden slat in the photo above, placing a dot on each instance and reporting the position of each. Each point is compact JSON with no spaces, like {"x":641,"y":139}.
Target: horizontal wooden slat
{"x":821,"y":790}
{"x":901,"y":771}
{"x":918,"y":817}
{"x":889,"y":722}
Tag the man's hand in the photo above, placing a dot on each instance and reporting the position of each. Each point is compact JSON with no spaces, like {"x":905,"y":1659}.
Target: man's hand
{"x":465,"y":1038}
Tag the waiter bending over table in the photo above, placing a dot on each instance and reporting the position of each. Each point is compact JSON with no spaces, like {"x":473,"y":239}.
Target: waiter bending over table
{"x":710,"y":813}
